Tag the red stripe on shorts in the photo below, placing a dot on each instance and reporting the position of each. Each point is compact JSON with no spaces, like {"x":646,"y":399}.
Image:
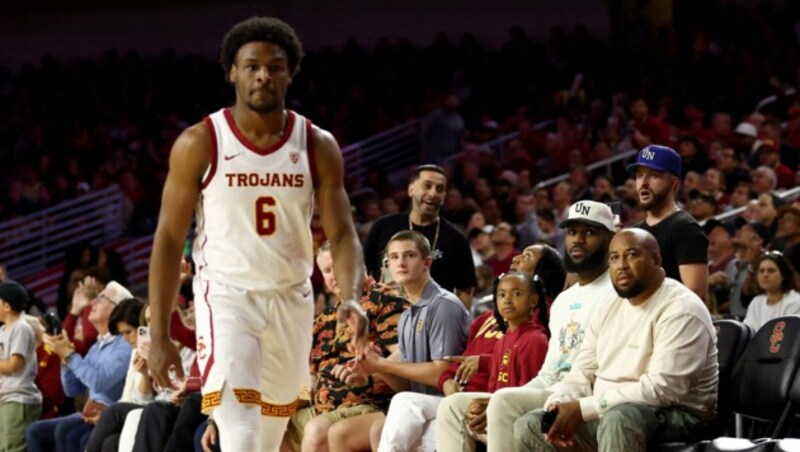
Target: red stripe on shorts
{"x":210,"y":361}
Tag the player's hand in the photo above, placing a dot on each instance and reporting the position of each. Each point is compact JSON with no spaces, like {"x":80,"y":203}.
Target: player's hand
{"x":163,"y":356}
{"x":567,"y":421}
{"x":350,"y":311}
{"x":209,"y":439}
{"x":368,"y":362}
{"x":467,"y":368}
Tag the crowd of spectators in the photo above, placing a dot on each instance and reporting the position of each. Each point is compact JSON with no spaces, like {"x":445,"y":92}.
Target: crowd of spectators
{"x":71,"y":127}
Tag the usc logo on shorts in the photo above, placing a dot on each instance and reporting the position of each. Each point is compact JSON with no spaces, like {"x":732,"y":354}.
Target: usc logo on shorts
{"x":201,"y":348}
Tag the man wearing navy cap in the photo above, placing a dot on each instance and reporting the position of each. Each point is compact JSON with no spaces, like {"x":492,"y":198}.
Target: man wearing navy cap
{"x":683,"y":244}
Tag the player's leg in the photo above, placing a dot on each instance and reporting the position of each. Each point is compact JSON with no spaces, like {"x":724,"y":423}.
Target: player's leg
{"x":285,"y":347}
{"x":228,"y":332}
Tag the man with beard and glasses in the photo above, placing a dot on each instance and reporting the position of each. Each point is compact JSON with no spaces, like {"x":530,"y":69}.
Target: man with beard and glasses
{"x":453,"y":266}
{"x":252,"y":173}
{"x":684,"y":244}
{"x":589,"y":228}
{"x":647,"y":369}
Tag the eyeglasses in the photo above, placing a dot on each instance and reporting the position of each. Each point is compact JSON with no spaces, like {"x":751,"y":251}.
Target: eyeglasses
{"x":773,"y":253}
{"x":100,"y":297}
{"x":726,"y":155}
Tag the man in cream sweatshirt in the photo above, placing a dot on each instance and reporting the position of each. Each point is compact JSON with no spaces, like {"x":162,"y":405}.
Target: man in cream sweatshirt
{"x":647,"y":367}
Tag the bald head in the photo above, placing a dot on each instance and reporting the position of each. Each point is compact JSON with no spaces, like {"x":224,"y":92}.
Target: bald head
{"x":641,"y":238}
{"x":635,"y":264}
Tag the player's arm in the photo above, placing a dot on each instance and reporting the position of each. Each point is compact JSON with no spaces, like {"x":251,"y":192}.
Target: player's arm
{"x":695,"y":277}
{"x":188,"y":161}
{"x":12,"y":365}
{"x":337,"y":221}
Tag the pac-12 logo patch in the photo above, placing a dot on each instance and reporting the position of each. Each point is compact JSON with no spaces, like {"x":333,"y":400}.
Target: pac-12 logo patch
{"x":294,"y":157}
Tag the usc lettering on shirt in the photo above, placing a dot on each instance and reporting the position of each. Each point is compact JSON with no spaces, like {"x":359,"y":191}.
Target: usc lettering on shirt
{"x":502,"y":375}
{"x":255,"y":206}
{"x":488,"y":329}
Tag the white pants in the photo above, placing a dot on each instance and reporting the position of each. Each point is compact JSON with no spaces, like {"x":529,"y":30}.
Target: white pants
{"x":451,"y":429}
{"x":127,"y":437}
{"x":252,"y":350}
{"x":410,"y":423}
{"x":505,"y":406}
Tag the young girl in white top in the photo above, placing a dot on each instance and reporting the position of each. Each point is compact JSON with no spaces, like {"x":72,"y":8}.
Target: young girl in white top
{"x":777,"y":281}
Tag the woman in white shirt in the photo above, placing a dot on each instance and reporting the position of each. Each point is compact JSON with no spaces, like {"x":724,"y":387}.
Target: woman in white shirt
{"x":777,"y":281}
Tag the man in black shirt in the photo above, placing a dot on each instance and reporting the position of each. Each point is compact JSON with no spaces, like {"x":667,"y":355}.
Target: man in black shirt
{"x":683,"y":244}
{"x":452,"y":267}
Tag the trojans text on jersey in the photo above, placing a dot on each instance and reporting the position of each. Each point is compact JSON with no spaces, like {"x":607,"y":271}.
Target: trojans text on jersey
{"x":264,"y":180}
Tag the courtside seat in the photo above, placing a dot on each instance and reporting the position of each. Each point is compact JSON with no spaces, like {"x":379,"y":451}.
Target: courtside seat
{"x":732,"y":339}
{"x":762,"y":380}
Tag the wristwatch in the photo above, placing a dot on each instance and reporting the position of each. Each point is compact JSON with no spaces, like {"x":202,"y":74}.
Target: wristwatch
{"x":65,"y":359}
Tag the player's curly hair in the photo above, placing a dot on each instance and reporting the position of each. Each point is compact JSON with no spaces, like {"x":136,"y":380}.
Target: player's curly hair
{"x":267,"y":29}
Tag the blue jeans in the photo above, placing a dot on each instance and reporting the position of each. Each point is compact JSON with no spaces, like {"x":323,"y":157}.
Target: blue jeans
{"x":61,"y":434}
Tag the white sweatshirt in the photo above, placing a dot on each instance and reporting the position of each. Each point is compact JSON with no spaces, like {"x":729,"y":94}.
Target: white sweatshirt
{"x":660,"y":353}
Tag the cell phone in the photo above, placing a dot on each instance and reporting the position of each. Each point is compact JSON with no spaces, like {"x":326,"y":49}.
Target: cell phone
{"x":53,"y":323}
{"x":142,"y":339}
{"x":547,"y":420}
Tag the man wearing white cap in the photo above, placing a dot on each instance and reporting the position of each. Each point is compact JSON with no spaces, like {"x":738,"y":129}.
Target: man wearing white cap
{"x":745,"y":138}
{"x":589,"y":229}
{"x":683,"y":243}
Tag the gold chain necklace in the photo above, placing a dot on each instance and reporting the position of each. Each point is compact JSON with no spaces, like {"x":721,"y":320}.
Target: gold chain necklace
{"x":435,"y":236}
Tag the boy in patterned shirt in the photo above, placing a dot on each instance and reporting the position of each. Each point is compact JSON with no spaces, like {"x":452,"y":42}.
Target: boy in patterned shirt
{"x":333,"y":399}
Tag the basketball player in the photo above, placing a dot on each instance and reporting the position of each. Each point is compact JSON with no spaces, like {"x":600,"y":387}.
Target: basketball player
{"x":251,"y":174}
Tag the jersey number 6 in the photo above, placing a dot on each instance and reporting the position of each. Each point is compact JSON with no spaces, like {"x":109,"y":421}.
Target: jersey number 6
{"x":265,"y":216}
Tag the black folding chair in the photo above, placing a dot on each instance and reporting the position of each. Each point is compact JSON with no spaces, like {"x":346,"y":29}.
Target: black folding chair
{"x":761,"y":382}
{"x":732,"y":339}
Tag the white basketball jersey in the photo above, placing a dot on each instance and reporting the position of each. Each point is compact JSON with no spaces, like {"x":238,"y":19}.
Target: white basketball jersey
{"x":255,"y":207}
